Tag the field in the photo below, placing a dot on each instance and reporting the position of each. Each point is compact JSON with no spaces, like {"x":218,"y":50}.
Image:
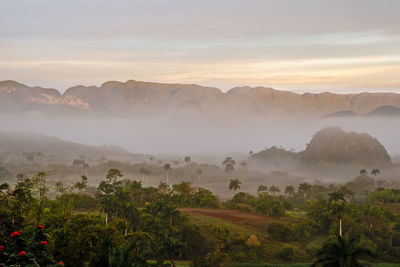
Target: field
{"x":233,"y":219}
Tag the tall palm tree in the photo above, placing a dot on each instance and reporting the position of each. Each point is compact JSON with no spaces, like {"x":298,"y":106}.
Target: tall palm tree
{"x":274,"y":189}
{"x":342,"y":252}
{"x":289,"y":190}
{"x":163,"y":188}
{"x":229,"y":163}
{"x":305,"y":188}
{"x":234,"y":184}
{"x":337,"y":207}
{"x":167,"y":168}
{"x":363,"y":172}
{"x":187,"y":159}
{"x":375,"y":172}
{"x":262,"y":188}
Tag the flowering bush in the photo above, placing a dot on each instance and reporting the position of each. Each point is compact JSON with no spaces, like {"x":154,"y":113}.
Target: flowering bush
{"x":21,"y":253}
{"x":16,"y":233}
{"x":25,"y":249}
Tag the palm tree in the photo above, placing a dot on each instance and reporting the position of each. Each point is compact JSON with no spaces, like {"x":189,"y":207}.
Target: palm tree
{"x":342,"y":252}
{"x":144,"y":172}
{"x":234,"y":184}
{"x":167,"y":168}
{"x":363,"y":172}
{"x":262,"y":188}
{"x":305,"y":188}
{"x":187,"y":159}
{"x":337,"y":207}
{"x":229,"y":163}
{"x":163,"y":188}
{"x":289,"y":190}
{"x":274,"y":189}
{"x":375,"y":172}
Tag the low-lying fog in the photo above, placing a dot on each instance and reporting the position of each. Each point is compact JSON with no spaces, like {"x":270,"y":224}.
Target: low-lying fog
{"x":164,"y":135}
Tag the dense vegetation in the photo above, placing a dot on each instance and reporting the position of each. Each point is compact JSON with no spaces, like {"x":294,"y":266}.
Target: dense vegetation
{"x":121,"y":223}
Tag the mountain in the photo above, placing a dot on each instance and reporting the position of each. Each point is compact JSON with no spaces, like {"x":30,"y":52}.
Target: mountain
{"x":334,"y":145}
{"x":26,"y":147}
{"x":146,"y":99}
{"x":385,"y":111}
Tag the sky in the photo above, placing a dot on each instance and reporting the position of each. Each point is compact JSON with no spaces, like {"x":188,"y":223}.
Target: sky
{"x":309,"y":45}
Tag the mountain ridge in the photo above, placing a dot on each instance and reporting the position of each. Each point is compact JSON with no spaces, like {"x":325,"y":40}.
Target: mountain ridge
{"x":138,"y":98}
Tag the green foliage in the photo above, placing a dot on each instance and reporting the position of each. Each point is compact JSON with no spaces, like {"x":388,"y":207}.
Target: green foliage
{"x":287,"y":253}
{"x":341,"y":251}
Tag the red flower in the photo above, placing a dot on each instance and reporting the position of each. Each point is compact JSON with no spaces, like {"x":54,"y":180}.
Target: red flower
{"x":14,"y":234}
{"x":43,"y":242}
{"x":1,"y":248}
{"x":40,"y":227}
{"x":61,"y":263}
{"x":21,"y":253}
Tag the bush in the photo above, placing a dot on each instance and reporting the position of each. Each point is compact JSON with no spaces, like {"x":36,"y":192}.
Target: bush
{"x":287,"y":253}
{"x":270,"y":207}
{"x":280,"y":231}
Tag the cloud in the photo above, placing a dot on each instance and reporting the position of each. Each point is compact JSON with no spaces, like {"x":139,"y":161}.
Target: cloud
{"x":288,"y":44}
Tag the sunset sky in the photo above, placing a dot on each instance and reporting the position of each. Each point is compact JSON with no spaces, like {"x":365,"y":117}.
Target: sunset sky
{"x":340,"y":46}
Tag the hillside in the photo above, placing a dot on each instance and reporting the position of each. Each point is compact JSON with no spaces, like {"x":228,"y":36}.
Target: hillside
{"x":385,"y":111}
{"x":143,"y":99}
{"x":334,"y":145}
{"x":27,"y":147}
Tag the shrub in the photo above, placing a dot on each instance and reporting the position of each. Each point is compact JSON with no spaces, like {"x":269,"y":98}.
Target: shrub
{"x":280,"y":231}
{"x":287,"y":253}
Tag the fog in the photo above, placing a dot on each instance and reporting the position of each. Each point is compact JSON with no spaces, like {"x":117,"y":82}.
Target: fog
{"x":180,"y":136}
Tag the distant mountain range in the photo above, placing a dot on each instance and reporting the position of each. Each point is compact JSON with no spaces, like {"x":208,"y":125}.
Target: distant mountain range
{"x":146,"y":99}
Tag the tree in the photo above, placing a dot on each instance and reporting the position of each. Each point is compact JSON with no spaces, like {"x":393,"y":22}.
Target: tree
{"x":40,"y":190}
{"x":163,"y":188}
{"x":375,"y":172}
{"x":289,"y":190}
{"x":337,"y":207}
{"x":305,"y":189}
{"x":342,"y":252}
{"x":145,"y":173}
{"x":347,"y":193}
{"x":262,"y":188}
{"x":229,"y":163}
{"x":234,"y":184}
{"x":363,"y":172}
{"x":167,"y":169}
{"x":187,"y":159}
{"x":82,"y":185}
{"x":274,"y":189}
{"x":243,"y":164}
{"x":107,"y":193}
{"x":219,"y":257}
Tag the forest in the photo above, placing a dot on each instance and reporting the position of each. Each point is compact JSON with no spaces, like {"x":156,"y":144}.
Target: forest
{"x":121,"y":222}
